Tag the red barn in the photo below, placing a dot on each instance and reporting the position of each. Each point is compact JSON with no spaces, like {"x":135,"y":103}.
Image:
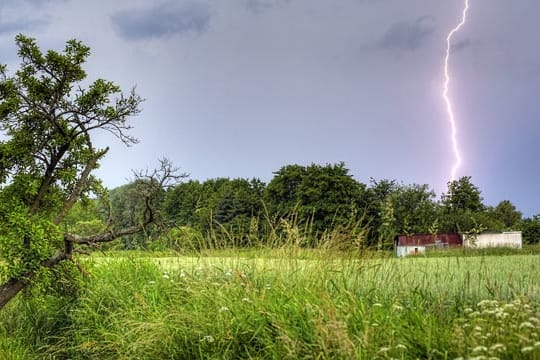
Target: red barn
{"x":415,"y":244}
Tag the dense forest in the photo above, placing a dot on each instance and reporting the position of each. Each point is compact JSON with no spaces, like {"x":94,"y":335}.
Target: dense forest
{"x":311,"y":204}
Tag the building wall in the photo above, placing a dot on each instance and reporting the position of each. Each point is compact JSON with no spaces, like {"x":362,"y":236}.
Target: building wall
{"x":403,"y":251}
{"x":505,"y":239}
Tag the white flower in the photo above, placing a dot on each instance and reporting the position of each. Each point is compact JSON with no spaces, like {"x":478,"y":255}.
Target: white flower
{"x":509,"y":306}
{"x":537,"y":344}
{"x":377,"y":305}
{"x":208,"y":339}
{"x":182,"y":274}
{"x":497,"y":347}
{"x":247,"y":300}
{"x":527,"y":349}
{"x":166,"y":276}
{"x":479,"y":349}
{"x":151,"y":282}
{"x":526,"y":324}
{"x":401,"y":347}
{"x":223,"y":309}
{"x":384,"y":349}
{"x":228,"y":273}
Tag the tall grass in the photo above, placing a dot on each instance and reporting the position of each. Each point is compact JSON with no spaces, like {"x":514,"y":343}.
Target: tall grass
{"x":285,"y":307}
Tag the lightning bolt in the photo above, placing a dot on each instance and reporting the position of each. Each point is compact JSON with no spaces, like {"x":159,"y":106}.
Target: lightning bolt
{"x":445,"y":92}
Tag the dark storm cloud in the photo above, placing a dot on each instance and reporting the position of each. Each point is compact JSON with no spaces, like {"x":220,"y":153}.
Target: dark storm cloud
{"x":161,"y":20}
{"x":406,"y":35}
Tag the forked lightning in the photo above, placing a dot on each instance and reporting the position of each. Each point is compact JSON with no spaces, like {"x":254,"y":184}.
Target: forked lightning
{"x":451,"y":118}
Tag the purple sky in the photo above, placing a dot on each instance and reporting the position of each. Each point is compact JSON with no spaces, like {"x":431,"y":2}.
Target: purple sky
{"x":239,"y":88}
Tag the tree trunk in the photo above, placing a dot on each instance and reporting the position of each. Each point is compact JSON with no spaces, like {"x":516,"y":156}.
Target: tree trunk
{"x":13,"y":286}
{"x":9,"y":289}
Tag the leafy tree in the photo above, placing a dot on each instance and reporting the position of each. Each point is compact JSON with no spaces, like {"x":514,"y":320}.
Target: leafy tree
{"x":530,"y":228}
{"x":182,"y":203}
{"x":507,"y":214}
{"x":220,"y":207}
{"x":415,"y":210}
{"x":325,"y":195}
{"x":463,"y":195}
{"x":462,"y":207}
{"x":48,"y":119}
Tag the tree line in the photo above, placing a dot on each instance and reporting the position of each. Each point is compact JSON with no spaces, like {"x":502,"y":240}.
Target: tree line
{"x":318,"y":202}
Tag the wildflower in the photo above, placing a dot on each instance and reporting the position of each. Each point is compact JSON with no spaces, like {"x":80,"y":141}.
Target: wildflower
{"x":479,"y":349}
{"x":498,"y":347}
{"x":509,"y":306}
{"x":477,"y":328}
{"x":384,"y":349}
{"x":207,"y":338}
{"x":501,"y":315}
{"x":267,"y":286}
{"x":151,"y":282}
{"x":526,"y":324}
{"x":223,"y":309}
{"x":166,"y":276}
{"x":397,"y":307}
{"x":246,"y":300}
{"x":377,"y":305}
{"x":468,"y":310}
{"x":228,"y":273}
{"x":527,"y":349}
{"x":182,"y":274}
{"x":537,"y":344}
{"x":401,"y":347}
{"x":487,"y":303}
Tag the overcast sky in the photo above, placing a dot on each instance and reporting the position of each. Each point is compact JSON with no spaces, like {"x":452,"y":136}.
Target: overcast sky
{"x":239,"y":88}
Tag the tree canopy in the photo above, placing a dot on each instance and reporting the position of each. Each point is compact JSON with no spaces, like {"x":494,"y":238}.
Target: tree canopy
{"x":47,"y":120}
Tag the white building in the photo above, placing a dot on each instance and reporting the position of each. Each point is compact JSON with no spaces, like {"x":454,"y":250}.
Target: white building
{"x":510,"y":239}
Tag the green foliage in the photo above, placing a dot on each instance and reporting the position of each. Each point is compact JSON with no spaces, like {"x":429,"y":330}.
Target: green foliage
{"x":16,"y":223}
{"x":507,"y":214}
{"x":462,"y":195}
{"x":324,"y":195}
{"x":531,"y":230}
{"x":217,"y":208}
{"x":47,"y":120}
{"x":285,"y":307}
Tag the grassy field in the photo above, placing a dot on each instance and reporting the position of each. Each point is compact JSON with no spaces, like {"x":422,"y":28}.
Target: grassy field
{"x":286,"y":304}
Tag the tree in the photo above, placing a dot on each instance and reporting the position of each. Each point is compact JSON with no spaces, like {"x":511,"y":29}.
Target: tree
{"x":531,"y":230}
{"x":325,"y":195}
{"x":507,"y":214}
{"x":463,"y":210}
{"x":414,"y":208}
{"x":463,"y":195}
{"x":47,"y":119}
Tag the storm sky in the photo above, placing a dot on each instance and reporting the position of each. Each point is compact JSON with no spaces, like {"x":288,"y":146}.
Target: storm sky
{"x":239,"y":88}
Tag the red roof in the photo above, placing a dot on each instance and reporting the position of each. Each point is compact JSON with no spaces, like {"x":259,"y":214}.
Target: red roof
{"x":429,"y":239}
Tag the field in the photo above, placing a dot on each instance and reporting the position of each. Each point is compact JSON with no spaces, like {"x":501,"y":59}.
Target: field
{"x":284,"y":304}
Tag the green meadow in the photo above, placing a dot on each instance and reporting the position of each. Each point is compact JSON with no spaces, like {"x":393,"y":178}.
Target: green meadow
{"x":283,"y":304}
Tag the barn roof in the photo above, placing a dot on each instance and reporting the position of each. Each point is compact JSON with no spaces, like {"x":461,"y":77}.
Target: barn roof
{"x":429,"y":239}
